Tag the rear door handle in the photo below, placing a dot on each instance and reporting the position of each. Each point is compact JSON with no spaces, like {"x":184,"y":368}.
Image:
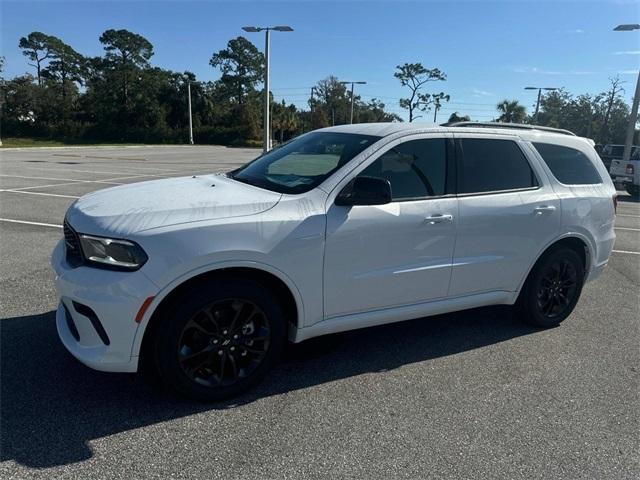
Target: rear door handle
{"x":439,"y":218}
{"x":544,"y":209}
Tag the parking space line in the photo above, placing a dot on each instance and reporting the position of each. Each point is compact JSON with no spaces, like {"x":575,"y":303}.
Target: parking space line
{"x":623,"y":215}
{"x":50,"y":185}
{"x":25,"y":222}
{"x":46,"y":178}
{"x":627,"y":228}
{"x":625,"y":251}
{"x":40,"y":193}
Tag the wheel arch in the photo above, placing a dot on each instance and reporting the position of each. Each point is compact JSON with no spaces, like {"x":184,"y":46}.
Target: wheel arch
{"x":271,"y":278}
{"x":578,"y":242}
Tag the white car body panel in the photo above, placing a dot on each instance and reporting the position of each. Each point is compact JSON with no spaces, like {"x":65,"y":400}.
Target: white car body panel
{"x":387,"y":255}
{"x":345,"y":267}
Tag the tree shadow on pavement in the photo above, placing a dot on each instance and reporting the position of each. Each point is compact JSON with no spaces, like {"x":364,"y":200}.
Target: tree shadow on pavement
{"x":52,"y":406}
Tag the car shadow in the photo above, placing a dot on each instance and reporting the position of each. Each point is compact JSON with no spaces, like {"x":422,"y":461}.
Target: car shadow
{"x":52,"y":406}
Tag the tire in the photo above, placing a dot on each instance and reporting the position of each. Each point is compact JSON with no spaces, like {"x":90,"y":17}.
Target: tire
{"x":633,"y":190}
{"x":552,"y":289}
{"x":219,"y":339}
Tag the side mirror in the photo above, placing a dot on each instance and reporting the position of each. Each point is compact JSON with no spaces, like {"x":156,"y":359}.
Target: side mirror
{"x":365,"y":191}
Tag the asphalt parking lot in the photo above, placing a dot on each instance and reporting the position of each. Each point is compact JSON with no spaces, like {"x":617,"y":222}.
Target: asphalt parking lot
{"x":475,"y":394}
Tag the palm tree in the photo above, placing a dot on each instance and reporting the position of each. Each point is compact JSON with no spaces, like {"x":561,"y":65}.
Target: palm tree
{"x":511,"y":111}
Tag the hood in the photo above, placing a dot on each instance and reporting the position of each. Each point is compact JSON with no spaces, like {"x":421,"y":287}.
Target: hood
{"x":141,"y":206}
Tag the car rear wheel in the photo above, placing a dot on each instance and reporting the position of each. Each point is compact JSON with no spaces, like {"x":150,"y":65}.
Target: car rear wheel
{"x":552,"y":289}
{"x":633,"y":190}
{"x":220,"y":339}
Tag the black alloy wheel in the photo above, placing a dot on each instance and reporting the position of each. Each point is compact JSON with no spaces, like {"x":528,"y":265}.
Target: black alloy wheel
{"x":557,"y":288}
{"x":219,"y":338}
{"x":224,"y":342}
{"x":553,"y":288}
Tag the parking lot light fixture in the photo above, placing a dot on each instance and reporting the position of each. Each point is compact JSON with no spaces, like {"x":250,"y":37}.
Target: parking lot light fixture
{"x":535,"y":115}
{"x":631,"y":127}
{"x":625,"y":27}
{"x":266,"y":144}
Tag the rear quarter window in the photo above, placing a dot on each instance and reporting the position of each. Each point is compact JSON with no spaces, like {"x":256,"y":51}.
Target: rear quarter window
{"x":568,"y":165}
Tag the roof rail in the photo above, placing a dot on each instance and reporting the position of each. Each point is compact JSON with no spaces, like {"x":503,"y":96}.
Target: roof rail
{"x":516,"y":126}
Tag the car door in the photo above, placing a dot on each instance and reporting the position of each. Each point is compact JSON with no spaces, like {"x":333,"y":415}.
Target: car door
{"x":379,"y":256}
{"x":508,"y":211}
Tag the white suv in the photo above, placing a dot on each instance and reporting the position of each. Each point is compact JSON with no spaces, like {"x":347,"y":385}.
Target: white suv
{"x":205,"y":278}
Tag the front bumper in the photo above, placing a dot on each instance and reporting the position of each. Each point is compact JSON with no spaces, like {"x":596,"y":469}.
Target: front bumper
{"x":100,"y":336}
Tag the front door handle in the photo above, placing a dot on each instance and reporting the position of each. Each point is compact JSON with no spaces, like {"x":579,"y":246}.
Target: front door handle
{"x":544,"y":209}
{"x":439,"y":218}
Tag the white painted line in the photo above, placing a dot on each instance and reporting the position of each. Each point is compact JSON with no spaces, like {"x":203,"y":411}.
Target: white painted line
{"x":40,"y":186}
{"x":625,"y":251}
{"x":133,"y":170}
{"x":40,"y":193}
{"x":39,"y":224}
{"x":623,"y":215}
{"x":626,"y":228}
{"x":46,"y":178}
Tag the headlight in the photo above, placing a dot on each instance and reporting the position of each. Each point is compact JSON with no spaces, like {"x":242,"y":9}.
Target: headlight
{"x":112,"y":253}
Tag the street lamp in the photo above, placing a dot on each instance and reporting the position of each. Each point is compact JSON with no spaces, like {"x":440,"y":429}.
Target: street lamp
{"x":631,"y":128}
{"x":266,"y":145}
{"x":190,"y":117}
{"x":352,"y":84}
{"x":627,"y":27}
{"x":535,"y":115}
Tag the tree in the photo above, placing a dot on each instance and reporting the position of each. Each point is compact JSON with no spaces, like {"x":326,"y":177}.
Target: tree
{"x":511,"y":111}
{"x":437,"y":100}
{"x":333,"y":99}
{"x":414,"y":76}
{"x":35,"y":47}
{"x":126,"y":52}
{"x":455,"y":118}
{"x":66,"y":65}
{"x":602,"y":117}
{"x":242,"y":67}
{"x":284,"y":119}
{"x":612,"y":94}
{"x":373,"y":111}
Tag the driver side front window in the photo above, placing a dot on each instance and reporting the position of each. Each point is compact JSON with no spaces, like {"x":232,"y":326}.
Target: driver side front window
{"x":415,"y":169}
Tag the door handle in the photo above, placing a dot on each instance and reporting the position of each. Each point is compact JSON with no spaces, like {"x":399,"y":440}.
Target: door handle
{"x":544,"y":209}
{"x":439,"y":218}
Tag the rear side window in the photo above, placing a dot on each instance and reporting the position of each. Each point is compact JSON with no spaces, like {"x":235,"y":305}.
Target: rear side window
{"x":568,"y":165}
{"x":491,"y":165}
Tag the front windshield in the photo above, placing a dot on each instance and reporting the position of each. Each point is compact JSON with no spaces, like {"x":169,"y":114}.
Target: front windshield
{"x":303,"y":163}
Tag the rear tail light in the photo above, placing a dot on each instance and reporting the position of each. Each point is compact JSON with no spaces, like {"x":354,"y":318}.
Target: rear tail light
{"x":629,"y":169}
{"x":615,"y":202}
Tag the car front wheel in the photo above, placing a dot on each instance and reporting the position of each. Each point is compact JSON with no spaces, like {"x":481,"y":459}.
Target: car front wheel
{"x":219,"y":339}
{"x":552,"y":289}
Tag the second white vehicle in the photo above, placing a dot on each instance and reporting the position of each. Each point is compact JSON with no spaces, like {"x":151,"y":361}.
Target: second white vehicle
{"x":204,"y":279}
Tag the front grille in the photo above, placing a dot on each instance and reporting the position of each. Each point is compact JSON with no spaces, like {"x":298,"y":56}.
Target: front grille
{"x":72,"y":245}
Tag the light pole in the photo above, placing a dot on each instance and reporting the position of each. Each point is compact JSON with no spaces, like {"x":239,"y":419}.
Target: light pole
{"x":190,"y":118}
{"x":631,"y":128}
{"x":535,"y":115}
{"x":266,"y":143}
{"x":352,"y":84}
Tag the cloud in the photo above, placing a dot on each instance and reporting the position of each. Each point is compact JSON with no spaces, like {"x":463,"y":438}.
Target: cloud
{"x":542,"y":71}
{"x":575,"y":31}
{"x":628,"y":72}
{"x":628,"y":52}
{"x":481,"y":93}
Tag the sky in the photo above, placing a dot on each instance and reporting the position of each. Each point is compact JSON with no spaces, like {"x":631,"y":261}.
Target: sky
{"x":489,"y":50}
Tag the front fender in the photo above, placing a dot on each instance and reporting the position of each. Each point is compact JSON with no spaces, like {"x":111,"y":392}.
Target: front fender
{"x":167,"y":289}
